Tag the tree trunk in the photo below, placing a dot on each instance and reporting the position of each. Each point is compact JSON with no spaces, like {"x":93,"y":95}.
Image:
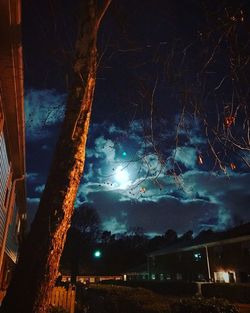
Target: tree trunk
{"x":37,"y":268}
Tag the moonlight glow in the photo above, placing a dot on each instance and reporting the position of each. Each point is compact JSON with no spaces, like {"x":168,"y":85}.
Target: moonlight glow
{"x":122,"y":177}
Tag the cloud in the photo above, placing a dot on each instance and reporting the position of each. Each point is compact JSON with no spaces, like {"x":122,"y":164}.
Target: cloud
{"x":43,"y":110}
{"x":167,"y":212}
{"x":190,"y":130}
{"x":187,"y":156}
{"x":114,"y":226}
{"x":104,"y":148}
{"x":154,"y":199}
{"x":195,"y":199}
{"x":206,"y":200}
{"x":40,"y":188}
{"x":103,"y":155}
{"x":115,"y":130}
{"x":31,"y":177}
{"x":231,"y":193}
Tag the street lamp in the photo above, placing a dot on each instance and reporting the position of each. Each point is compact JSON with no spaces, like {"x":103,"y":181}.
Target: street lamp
{"x":97,"y":254}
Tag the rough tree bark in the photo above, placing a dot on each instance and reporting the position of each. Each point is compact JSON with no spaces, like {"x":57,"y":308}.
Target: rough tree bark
{"x":37,"y":268}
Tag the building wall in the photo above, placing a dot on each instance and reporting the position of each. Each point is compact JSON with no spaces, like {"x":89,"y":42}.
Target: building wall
{"x":13,"y":235}
{"x":227,"y":263}
{"x":136,"y":276}
{"x":4,"y":182}
{"x":91,"y":278}
{"x":234,"y":258}
{"x":188,"y":266}
{"x":12,"y":139}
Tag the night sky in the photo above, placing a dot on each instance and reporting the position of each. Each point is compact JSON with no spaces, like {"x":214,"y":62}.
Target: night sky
{"x":152,"y":69}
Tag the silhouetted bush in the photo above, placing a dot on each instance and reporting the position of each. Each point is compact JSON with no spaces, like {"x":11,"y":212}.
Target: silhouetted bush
{"x":162,"y":287}
{"x":201,"y":305}
{"x":119,"y":299}
{"x":233,"y":292}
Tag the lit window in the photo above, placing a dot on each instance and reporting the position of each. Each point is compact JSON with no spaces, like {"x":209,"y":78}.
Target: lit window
{"x":221,"y":277}
{"x":168,"y":276}
{"x":225,"y":277}
{"x":197,"y":256}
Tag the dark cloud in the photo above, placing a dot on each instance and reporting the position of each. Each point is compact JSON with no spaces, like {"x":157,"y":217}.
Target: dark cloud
{"x":43,"y":109}
{"x":168,"y":212}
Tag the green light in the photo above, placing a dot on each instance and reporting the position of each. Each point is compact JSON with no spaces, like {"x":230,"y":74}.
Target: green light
{"x":97,"y":254}
{"x":124,"y":153}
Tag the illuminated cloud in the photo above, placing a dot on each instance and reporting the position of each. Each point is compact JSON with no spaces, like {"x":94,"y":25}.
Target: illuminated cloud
{"x":114,"y":226}
{"x":187,"y":156}
{"x":31,"y":177}
{"x":154,"y":198}
{"x":39,"y":188}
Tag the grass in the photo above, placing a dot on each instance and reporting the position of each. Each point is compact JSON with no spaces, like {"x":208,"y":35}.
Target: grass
{"x":134,"y":299}
{"x":120,"y":299}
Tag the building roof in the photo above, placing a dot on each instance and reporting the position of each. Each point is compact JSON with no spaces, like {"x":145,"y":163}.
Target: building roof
{"x":237,"y":234}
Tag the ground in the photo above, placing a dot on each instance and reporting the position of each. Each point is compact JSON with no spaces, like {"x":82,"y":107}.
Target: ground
{"x":120,"y":299}
{"x":243,"y":308}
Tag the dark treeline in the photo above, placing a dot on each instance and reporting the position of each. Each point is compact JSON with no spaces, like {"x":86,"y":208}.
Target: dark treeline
{"x":119,"y":252}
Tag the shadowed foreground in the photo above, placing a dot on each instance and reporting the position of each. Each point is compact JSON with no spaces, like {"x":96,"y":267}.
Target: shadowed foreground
{"x":120,"y":299}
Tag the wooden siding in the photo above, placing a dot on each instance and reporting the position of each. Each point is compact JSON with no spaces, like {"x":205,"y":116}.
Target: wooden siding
{"x":4,"y":177}
{"x":11,"y":248}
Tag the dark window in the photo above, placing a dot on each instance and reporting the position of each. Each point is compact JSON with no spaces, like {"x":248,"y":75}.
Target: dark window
{"x":218,"y":252}
{"x":246,"y":248}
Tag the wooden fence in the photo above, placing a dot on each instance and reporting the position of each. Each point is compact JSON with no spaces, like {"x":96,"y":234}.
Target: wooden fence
{"x":64,"y":298}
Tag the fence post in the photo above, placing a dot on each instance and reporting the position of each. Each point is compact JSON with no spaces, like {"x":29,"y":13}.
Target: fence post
{"x":60,"y":297}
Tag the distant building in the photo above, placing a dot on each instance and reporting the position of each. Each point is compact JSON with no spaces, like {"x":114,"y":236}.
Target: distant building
{"x":226,"y":259}
{"x":12,"y":139}
{"x":91,"y":278}
{"x":137,"y":273}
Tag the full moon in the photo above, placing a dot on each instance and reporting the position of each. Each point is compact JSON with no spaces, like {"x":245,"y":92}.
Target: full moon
{"x":121,"y":176}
